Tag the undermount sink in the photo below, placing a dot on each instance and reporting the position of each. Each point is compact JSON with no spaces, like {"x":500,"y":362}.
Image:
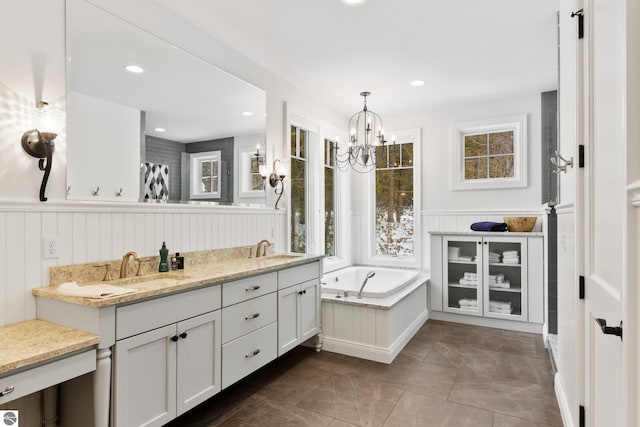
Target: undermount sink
{"x":154,"y":277}
{"x":276,"y":258}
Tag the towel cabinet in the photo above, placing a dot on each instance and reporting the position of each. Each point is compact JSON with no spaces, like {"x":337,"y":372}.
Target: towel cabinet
{"x":488,"y":275}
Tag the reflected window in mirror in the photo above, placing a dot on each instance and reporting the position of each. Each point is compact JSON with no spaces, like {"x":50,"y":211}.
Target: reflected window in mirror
{"x":205,"y":175}
{"x":329,"y":198}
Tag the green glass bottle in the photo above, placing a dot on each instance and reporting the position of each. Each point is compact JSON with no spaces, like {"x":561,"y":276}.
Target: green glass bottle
{"x":164,"y":263}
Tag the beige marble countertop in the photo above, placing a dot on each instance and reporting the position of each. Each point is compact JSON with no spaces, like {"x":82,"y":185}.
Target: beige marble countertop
{"x":193,"y":276}
{"x":36,"y":341}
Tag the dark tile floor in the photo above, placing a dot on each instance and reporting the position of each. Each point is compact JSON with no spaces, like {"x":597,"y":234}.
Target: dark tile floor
{"x":448,"y":375}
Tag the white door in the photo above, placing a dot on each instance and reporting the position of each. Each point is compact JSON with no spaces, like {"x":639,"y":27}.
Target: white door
{"x":309,"y":317}
{"x":288,"y":325}
{"x":603,"y":210}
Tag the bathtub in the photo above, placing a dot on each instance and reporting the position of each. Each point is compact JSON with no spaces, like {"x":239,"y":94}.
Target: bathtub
{"x":377,"y":326}
{"x":386,"y":281}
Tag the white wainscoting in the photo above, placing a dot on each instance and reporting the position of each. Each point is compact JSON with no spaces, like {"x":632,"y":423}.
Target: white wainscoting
{"x":89,"y":232}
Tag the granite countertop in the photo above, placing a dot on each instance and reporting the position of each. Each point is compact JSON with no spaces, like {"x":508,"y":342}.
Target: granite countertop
{"x":35,"y":341}
{"x":193,"y":276}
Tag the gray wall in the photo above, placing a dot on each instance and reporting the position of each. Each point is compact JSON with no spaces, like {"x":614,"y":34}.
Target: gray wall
{"x":166,"y":152}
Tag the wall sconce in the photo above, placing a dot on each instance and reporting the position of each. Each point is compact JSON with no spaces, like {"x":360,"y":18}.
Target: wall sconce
{"x":40,"y":145}
{"x":276,"y":176}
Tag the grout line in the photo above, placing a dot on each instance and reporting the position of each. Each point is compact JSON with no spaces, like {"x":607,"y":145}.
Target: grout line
{"x":393,"y":408}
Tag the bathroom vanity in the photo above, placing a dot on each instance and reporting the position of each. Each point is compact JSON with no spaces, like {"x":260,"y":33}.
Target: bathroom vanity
{"x":183,"y":336}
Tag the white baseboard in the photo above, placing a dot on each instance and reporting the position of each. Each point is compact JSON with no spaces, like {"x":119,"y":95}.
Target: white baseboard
{"x":375,"y":353}
{"x":565,"y":409}
{"x":534,"y":328}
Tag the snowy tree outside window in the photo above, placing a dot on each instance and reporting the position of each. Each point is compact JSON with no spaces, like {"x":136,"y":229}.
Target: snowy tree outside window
{"x":394,"y":221}
{"x":329,"y":198}
{"x":299,"y":138}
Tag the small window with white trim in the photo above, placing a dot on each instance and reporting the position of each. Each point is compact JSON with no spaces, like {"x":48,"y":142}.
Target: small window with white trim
{"x":205,"y":175}
{"x":490,"y":153}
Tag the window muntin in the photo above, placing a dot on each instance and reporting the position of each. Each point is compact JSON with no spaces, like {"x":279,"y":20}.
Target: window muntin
{"x":489,"y":155}
{"x":256,"y":179}
{"x":394,"y":200}
{"x":299,"y":138}
{"x":329,"y":198}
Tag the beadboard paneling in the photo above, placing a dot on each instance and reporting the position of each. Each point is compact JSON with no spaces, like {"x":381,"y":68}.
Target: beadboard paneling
{"x":89,"y":233}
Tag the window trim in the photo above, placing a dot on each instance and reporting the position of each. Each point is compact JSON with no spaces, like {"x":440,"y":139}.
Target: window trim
{"x":368,"y":230}
{"x":319,"y":130}
{"x":517,"y":123}
{"x":196,"y":160}
{"x":245,"y":156}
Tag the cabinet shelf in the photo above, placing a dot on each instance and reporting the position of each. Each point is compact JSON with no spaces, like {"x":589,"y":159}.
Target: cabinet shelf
{"x":503,"y":264}
{"x":515,"y":290}
{"x":452,"y":261}
{"x":458,"y":285}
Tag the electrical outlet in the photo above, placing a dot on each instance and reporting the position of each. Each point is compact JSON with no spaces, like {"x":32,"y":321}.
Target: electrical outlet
{"x":49,"y":247}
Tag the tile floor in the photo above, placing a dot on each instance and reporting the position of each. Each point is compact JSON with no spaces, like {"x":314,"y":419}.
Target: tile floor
{"x":448,"y":375}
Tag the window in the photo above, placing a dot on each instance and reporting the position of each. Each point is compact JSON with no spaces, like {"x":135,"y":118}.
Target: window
{"x":299,"y":138}
{"x":329,"y":168}
{"x":205,"y":175}
{"x":394,"y":200}
{"x":490,"y":154}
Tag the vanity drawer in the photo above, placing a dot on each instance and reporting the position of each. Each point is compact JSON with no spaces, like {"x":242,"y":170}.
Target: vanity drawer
{"x":143,"y":316}
{"x":43,"y":376}
{"x":251,"y":287}
{"x":248,"y":353}
{"x":245,"y":317}
{"x":296,"y":275}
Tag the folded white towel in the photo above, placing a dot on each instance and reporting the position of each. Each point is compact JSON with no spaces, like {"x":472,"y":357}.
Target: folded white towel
{"x":511,"y":261}
{"x":453,"y":253}
{"x":465,"y":258}
{"x":510,"y":253}
{"x":468,"y":302}
{"x":468,"y":282}
{"x":502,"y":285}
{"x":496,"y":277}
{"x":501,"y":310}
{"x":92,"y":291}
{"x":499,"y":305}
{"x":470,"y":275}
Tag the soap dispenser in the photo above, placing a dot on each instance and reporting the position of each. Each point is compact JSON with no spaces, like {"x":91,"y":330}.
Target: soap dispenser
{"x":164,"y":263}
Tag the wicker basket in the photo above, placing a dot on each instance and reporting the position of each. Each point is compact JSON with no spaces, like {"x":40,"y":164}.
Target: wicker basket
{"x":520,"y":223}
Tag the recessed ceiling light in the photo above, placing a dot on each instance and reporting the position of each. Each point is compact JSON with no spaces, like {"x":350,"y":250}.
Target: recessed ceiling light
{"x":353,"y":2}
{"x":134,"y":69}
{"x":159,"y":129}
{"x":417,"y":83}
{"x":247,"y":113}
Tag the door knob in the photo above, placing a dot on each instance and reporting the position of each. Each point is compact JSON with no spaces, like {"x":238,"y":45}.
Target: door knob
{"x":610,"y":330}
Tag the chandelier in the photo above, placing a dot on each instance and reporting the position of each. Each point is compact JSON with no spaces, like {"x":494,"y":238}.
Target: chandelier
{"x":366,"y":135}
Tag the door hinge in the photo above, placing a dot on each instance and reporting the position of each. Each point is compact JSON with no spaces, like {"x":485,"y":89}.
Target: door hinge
{"x":580,"y":15}
{"x":581,"y":417}
{"x":581,"y":287}
{"x":580,"y":156}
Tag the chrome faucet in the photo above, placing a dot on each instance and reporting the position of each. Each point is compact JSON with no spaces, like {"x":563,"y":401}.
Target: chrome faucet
{"x":124,"y":266}
{"x":369,"y":276}
{"x":261,"y":243}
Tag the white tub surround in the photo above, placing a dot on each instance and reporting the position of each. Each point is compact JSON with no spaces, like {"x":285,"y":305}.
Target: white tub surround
{"x":386,"y":281}
{"x":374,"y":327}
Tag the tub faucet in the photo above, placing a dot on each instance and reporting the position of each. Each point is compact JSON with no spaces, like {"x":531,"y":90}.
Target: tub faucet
{"x":369,"y":276}
{"x":124,"y":266}
{"x":261,"y":243}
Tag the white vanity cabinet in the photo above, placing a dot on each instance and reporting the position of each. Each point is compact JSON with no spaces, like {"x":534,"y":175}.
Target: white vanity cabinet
{"x":490,"y":275}
{"x":249,"y":325}
{"x":298,"y":305}
{"x":162,"y":370}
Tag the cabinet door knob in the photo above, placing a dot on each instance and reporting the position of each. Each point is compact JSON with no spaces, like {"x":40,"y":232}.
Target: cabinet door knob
{"x":183,"y":335}
{"x":174,"y":338}
{"x":251,"y":316}
{"x":299,"y":292}
{"x":304,"y":292}
{"x":479,"y":243}
{"x":253,"y":353}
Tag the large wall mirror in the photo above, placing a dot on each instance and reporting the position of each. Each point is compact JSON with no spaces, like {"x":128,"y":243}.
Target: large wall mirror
{"x":148,"y":121}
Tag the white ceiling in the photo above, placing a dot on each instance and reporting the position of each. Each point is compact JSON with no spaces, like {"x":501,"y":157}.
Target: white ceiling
{"x":466,"y":50}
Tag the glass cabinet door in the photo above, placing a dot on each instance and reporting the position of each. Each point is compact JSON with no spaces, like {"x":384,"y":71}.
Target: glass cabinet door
{"x":462,"y":275}
{"x":505,"y":277}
